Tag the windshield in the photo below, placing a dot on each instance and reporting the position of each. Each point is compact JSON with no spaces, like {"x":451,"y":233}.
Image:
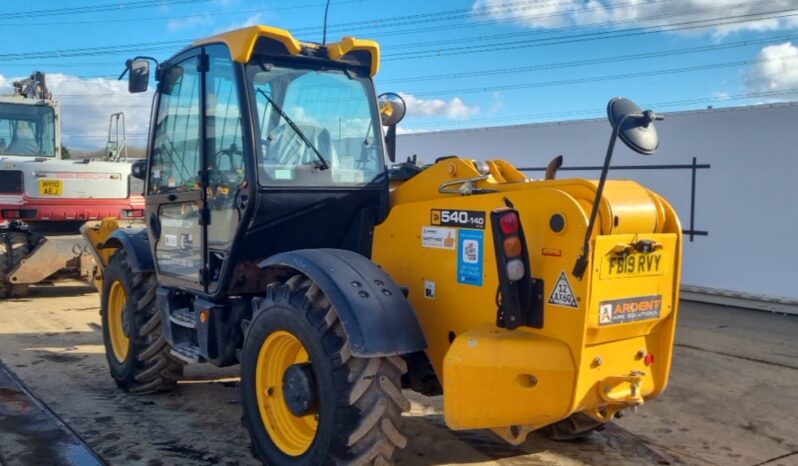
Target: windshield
{"x":316,"y":127}
{"x":27,"y":130}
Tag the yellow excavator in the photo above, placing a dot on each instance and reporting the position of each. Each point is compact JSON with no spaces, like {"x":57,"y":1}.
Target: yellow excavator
{"x":277,"y":237}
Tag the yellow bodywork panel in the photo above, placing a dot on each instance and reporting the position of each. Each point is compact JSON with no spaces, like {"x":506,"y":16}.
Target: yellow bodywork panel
{"x":241,"y":43}
{"x":577,"y":362}
{"x":338,"y":50}
{"x":96,"y":235}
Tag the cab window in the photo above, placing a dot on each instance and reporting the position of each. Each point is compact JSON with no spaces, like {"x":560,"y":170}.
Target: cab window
{"x":176,"y":142}
{"x":317,"y":127}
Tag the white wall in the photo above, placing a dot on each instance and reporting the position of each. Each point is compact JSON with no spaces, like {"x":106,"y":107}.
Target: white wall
{"x":746,"y":200}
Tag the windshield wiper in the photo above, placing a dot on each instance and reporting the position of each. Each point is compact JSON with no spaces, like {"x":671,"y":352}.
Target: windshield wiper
{"x":322,"y":160}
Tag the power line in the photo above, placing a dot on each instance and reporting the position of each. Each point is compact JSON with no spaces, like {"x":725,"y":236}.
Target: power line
{"x":597,"y":35}
{"x":582,"y":37}
{"x":561,"y":82}
{"x":158,"y":18}
{"x":96,"y":8}
{"x":537,"y":117}
{"x":592,"y":61}
{"x":603,"y":24}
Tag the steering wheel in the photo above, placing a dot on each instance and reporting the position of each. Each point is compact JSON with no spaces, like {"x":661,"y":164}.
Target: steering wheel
{"x":224,"y":181}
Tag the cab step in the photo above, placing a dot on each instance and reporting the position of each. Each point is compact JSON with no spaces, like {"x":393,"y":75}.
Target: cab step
{"x":183,"y":317}
{"x":187,"y":352}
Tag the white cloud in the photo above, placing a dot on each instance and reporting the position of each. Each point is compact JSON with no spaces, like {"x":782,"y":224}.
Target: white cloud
{"x":257,"y":18}
{"x":559,"y":13}
{"x":777,"y":69}
{"x":189,"y":23}
{"x":86,"y":106}
{"x":453,"y":109}
{"x":401,"y":130}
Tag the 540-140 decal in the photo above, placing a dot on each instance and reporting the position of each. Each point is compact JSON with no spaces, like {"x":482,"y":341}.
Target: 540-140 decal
{"x":458,"y":218}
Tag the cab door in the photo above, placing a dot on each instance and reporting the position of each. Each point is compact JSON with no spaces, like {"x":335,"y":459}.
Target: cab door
{"x":175,"y":199}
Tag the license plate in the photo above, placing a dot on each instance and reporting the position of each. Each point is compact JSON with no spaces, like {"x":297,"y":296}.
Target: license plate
{"x":51,"y":187}
{"x":632,"y":265}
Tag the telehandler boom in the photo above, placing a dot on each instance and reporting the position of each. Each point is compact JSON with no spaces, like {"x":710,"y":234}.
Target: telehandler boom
{"x":277,"y":239}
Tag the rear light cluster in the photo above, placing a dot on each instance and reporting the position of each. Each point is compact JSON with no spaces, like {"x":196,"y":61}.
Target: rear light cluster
{"x":133,"y":213}
{"x":11,"y":214}
{"x":512,"y":246}
{"x":516,"y":301}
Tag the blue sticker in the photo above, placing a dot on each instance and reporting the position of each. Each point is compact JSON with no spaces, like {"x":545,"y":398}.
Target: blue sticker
{"x":469,"y":257}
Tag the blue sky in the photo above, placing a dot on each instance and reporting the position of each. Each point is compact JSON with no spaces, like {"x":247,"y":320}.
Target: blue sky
{"x":460,"y":63}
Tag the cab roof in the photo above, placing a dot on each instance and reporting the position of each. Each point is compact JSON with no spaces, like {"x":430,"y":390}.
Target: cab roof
{"x":243,"y":42}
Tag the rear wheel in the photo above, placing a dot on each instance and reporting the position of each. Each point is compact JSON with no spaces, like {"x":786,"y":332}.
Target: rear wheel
{"x":137,"y":353}
{"x":307,"y":399}
{"x":13,"y":248}
{"x":576,"y":426}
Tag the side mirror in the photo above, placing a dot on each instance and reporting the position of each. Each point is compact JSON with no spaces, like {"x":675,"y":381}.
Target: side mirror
{"x":637,"y":129}
{"x":139,"y":169}
{"x":392,"y":108}
{"x":139,"y":78}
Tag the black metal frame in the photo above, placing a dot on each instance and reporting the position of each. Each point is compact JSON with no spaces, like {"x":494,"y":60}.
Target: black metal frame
{"x":693,"y":167}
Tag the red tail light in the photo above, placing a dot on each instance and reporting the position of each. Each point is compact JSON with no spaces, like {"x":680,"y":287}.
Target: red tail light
{"x":132,"y":213}
{"x":509,"y":223}
{"x":15,"y":213}
{"x":649,"y":359}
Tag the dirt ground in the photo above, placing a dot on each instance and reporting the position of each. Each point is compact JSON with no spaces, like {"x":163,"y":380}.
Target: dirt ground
{"x":732,"y":400}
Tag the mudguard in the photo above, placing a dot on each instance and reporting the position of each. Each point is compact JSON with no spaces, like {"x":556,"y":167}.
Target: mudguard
{"x":376,"y":315}
{"x":137,"y":245}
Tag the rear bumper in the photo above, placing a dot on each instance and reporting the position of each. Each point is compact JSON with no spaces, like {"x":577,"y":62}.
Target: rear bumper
{"x":54,"y":210}
{"x":496,"y":378}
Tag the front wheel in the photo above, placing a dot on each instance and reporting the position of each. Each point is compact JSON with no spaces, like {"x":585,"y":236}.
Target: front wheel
{"x":137,"y":354}
{"x":307,"y":400}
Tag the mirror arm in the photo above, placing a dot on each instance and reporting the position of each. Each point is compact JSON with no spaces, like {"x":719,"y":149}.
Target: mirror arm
{"x":390,"y":143}
{"x":582,"y":261}
{"x":130,"y":61}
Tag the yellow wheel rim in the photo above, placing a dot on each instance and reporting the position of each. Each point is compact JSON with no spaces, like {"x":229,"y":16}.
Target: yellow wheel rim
{"x":120,"y":341}
{"x":293,"y":435}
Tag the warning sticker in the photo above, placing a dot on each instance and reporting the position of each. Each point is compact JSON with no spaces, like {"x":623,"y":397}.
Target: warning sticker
{"x":618,"y":311}
{"x":438,"y":237}
{"x":563,"y":294}
{"x":429,"y":289}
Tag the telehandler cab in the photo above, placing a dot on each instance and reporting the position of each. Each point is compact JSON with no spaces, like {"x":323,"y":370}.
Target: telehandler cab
{"x":276,"y":238}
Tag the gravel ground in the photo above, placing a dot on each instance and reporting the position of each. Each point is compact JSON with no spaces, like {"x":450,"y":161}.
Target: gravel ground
{"x":732,"y":400}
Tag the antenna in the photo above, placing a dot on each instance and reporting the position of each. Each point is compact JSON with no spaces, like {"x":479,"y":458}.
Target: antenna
{"x":324,"y":37}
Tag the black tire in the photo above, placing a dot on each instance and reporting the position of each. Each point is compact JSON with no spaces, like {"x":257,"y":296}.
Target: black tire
{"x":148,"y":367}
{"x":575,"y":427}
{"x":359,"y":399}
{"x":13,"y":248}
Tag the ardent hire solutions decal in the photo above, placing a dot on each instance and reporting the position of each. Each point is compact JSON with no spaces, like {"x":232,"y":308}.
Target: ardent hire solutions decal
{"x":618,"y":311}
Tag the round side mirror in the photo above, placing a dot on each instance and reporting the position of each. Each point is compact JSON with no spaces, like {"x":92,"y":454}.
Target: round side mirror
{"x":638,"y":131}
{"x":139,"y":169}
{"x":392,"y":108}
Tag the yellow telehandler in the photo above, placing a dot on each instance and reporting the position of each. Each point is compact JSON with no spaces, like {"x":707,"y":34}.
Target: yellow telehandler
{"x":277,"y":239}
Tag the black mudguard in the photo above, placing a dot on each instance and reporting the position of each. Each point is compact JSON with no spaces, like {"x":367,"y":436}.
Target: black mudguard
{"x":376,"y":315}
{"x":137,"y":245}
